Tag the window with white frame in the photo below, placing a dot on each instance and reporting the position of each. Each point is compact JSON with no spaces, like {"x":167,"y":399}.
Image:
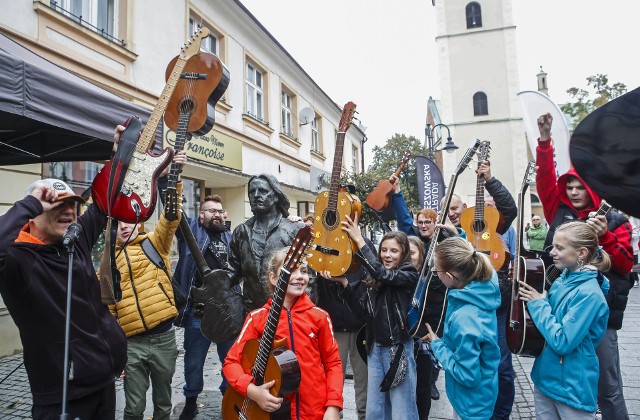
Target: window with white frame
{"x":255,"y":99}
{"x":354,"y":158}
{"x":287,"y":126}
{"x":315,"y":138}
{"x":98,"y":15}
{"x":210,"y":43}
{"x":92,"y":169}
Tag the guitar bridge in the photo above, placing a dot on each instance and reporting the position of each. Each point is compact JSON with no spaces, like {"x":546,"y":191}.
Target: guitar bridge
{"x":325,"y":250}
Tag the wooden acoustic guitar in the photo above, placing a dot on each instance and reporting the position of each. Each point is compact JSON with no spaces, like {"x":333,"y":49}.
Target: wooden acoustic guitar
{"x":523,"y":337}
{"x":333,"y":249}
{"x":428,"y":280}
{"x":378,"y":199}
{"x":136,"y":199}
{"x":481,"y":222}
{"x":203,"y":81}
{"x":267,"y":359}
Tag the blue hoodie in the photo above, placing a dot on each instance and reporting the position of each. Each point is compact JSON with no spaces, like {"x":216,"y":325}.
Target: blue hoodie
{"x":573,"y":319}
{"x":469,"y":351}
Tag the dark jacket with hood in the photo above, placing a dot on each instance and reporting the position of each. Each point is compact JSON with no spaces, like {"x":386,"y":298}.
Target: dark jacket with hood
{"x":616,"y":241}
{"x":33,"y":283}
{"x":385,"y":306}
{"x":506,"y":205}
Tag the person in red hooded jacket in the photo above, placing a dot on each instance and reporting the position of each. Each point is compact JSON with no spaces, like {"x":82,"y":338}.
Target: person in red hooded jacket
{"x":309,"y":334}
{"x":569,"y":198}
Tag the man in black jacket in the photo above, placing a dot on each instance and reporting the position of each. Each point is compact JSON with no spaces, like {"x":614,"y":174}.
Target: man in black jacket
{"x":33,"y":283}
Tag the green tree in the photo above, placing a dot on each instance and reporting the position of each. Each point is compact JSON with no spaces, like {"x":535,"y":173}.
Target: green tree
{"x":386,"y":160}
{"x":585,"y":104}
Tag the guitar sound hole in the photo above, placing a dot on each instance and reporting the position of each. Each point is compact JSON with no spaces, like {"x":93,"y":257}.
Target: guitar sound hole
{"x":330,"y":219}
{"x":187,"y":105}
{"x":478,"y":225}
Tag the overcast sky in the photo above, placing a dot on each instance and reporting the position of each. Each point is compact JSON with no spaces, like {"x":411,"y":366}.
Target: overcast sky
{"x":382,"y":54}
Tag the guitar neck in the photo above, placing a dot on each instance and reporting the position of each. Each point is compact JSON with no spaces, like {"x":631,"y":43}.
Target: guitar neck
{"x":442,"y":217}
{"x":479,"y":211}
{"x":266,"y":341}
{"x":149,"y":133}
{"x":181,"y":139}
{"x":196,"y":253}
{"x":332,"y":202}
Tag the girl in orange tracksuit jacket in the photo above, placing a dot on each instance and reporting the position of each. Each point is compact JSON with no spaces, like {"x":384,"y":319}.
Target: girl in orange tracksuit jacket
{"x":309,"y":334}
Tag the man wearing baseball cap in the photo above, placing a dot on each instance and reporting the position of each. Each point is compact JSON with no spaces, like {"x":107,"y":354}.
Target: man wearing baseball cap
{"x":33,"y":284}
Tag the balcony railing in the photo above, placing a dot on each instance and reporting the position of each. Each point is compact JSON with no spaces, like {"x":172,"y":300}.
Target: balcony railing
{"x":101,"y":31}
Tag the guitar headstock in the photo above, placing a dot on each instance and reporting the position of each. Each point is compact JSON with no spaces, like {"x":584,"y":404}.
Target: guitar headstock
{"x":348,"y":113}
{"x":529,"y":174}
{"x":192,"y":46}
{"x":484,"y":150}
{"x":298,"y":250}
{"x":468,"y":155}
{"x":407,"y":155}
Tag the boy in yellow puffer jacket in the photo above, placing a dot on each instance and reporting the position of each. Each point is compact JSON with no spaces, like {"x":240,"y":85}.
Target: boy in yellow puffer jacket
{"x":146,"y":312}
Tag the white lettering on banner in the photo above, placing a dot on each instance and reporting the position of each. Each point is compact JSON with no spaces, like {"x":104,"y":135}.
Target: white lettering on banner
{"x":431,"y":191}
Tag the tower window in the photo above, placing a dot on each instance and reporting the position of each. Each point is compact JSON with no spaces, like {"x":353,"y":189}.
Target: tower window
{"x":474,"y":15}
{"x":480,"y":106}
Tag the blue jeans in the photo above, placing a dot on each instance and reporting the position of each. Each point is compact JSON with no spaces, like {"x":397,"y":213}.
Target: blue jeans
{"x":196,"y":346}
{"x":506,"y":376}
{"x":398,"y":402}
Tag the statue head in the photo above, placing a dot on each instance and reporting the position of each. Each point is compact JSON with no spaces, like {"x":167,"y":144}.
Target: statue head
{"x":266,"y":194}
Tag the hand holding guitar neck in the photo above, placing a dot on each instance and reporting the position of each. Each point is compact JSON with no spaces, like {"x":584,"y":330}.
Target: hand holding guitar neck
{"x":379,"y":198}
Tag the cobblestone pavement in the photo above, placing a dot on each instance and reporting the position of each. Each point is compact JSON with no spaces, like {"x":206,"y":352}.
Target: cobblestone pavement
{"x":15,"y":397}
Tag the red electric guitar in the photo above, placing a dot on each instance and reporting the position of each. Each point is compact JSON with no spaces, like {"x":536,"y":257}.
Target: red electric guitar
{"x":136,"y":199}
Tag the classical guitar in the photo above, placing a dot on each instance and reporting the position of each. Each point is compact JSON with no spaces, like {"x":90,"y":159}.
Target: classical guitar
{"x":523,"y":337}
{"x":269,"y":359}
{"x":136,"y":199}
{"x":554,"y":272}
{"x":481,"y":222}
{"x":428,"y":280}
{"x":378,"y":199}
{"x":333,"y":249}
{"x":203,"y":80}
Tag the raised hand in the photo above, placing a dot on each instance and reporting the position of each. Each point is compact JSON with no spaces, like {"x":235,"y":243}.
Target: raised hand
{"x":544,"y":125}
{"x":47,"y":197}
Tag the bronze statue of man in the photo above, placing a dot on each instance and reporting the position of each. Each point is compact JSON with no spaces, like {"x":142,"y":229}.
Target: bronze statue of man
{"x":253,"y":242}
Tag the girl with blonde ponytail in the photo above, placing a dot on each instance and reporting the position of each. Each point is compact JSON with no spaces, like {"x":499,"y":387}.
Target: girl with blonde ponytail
{"x":572,"y":317}
{"x":468,"y":350}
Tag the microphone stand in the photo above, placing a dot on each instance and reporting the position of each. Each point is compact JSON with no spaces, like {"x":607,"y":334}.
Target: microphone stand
{"x":67,"y":328}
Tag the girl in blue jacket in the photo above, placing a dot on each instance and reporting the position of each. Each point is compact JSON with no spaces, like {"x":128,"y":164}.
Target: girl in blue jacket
{"x":468,"y":349}
{"x":572,"y":316}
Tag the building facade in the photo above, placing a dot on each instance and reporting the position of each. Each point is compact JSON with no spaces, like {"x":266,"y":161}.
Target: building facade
{"x":273,"y":118}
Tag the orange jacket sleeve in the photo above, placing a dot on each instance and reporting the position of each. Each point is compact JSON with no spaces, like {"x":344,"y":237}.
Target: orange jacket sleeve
{"x":232,"y":367}
{"x":332,"y":364}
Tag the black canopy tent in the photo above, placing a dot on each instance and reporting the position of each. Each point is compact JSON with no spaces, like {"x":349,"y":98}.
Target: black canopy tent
{"x":49,"y":114}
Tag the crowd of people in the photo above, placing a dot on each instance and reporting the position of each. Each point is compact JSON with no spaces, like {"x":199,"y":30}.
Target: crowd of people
{"x":577,"y":373}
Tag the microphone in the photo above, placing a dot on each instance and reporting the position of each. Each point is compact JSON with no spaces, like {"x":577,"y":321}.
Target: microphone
{"x":73,"y":231}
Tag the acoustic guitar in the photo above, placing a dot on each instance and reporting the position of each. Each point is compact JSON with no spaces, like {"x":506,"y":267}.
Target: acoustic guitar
{"x":523,"y":337}
{"x":333,"y":249}
{"x":267,"y":359}
{"x":136,"y":199}
{"x":428,"y":280}
{"x":203,"y":81}
{"x":481,"y":222}
{"x":378,"y":199}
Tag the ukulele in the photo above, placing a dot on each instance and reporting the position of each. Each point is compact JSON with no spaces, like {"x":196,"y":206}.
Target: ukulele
{"x":136,"y":199}
{"x":333,"y":249}
{"x":554,"y":272}
{"x":269,"y":359}
{"x":378,"y":199}
{"x":481,"y":222}
{"x":203,"y":81}
{"x":428,"y":279}
{"x":523,"y":337}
